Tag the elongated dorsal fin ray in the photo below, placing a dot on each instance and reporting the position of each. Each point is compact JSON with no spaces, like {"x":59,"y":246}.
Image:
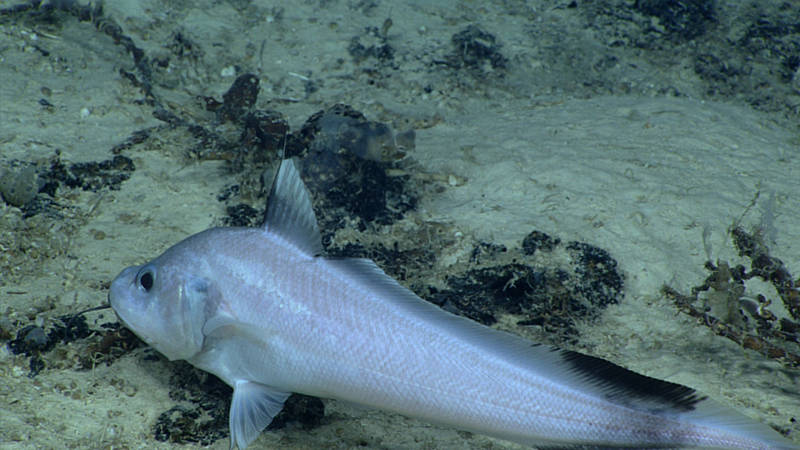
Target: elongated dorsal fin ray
{"x":289,"y":211}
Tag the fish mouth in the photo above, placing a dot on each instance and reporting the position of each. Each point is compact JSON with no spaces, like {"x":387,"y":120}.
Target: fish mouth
{"x":116,"y":294}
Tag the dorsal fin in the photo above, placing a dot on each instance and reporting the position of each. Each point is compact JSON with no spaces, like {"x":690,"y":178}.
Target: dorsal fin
{"x":289,"y":212}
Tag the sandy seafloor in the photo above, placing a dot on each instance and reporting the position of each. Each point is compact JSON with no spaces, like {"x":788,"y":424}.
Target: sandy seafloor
{"x":598,"y":126}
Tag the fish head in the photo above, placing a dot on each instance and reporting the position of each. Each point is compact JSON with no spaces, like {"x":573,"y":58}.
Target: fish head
{"x":164,"y":303}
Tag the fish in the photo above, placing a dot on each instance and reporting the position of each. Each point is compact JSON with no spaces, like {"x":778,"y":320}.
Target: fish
{"x":268,"y":313}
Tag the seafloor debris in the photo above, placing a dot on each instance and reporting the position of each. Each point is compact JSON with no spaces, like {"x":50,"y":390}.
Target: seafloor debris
{"x":33,"y":341}
{"x":537,"y":289}
{"x":476,"y":50}
{"x":21,"y":184}
{"x":240,"y":98}
{"x":89,"y":176}
{"x":350,"y":159}
{"x":373,"y":43}
{"x":722,"y":304}
{"x":681,"y":20}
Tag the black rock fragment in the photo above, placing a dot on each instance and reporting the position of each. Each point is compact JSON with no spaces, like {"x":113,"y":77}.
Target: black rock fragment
{"x":240,"y":98}
{"x":299,"y":409}
{"x":475,"y":48}
{"x":89,"y":176}
{"x":264,"y":133}
{"x":347,"y":157}
{"x":202,"y":415}
{"x":548,"y":295}
{"x":538,"y":240}
{"x":599,"y":280}
{"x":29,"y":340}
{"x":33,"y":341}
{"x":242,"y":215}
{"x":683,"y":20}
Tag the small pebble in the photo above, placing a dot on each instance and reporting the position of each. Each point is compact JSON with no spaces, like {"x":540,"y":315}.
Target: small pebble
{"x":228,"y":71}
{"x":19,"y":186}
{"x":35,"y":338}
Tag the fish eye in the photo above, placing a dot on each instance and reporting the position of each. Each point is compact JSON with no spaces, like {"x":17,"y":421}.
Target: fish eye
{"x":145,"y":279}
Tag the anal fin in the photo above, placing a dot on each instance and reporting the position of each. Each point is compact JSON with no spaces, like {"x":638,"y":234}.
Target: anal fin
{"x":252,"y":409}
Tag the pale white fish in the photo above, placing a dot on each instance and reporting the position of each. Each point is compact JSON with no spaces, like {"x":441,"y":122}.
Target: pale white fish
{"x":263,"y":311}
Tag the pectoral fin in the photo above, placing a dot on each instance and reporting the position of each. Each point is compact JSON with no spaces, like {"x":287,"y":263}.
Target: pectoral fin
{"x":252,"y":409}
